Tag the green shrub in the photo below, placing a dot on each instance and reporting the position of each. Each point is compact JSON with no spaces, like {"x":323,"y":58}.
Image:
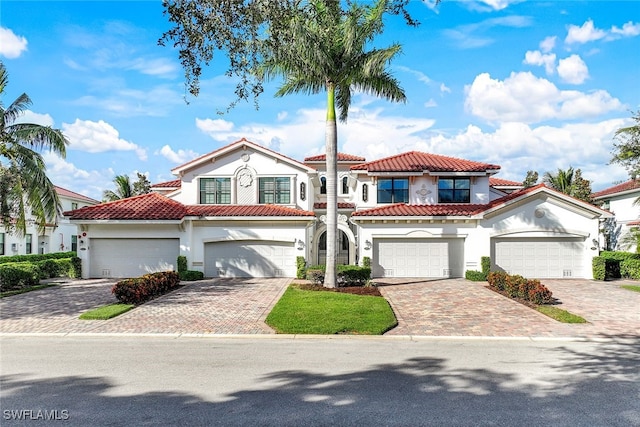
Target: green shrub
{"x":142,"y":289}
{"x":366,"y":261}
{"x":599,"y":268}
{"x":485,"y":264}
{"x":191,"y":275}
{"x":539,"y":294}
{"x":630,"y":268}
{"x":475,"y":276}
{"x":512,"y":285}
{"x":321,"y":267}
{"x":315,"y":275}
{"x":76,"y":268}
{"x":497,"y":279}
{"x":48,"y":268}
{"x":18,"y":275}
{"x":353,"y":275}
{"x":301,"y":267}
{"x":36,"y":257}
{"x":182,"y":263}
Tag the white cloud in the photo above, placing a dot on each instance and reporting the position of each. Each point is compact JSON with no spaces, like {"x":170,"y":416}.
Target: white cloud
{"x":29,"y":116}
{"x":422,"y":77}
{"x":11,"y":45}
{"x":90,"y":183}
{"x":214,"y":127}
{"x":573,"y":70}
{"x":155,"y":102}
{"x":588,"y":32}
{"x":535,"y":57}
{"x":282,"y":115}
{"x":489,"y":5}
{"x":430,"y":103}
{"x":181,"y":156}
{"x":160,"y":67}
{"x":98,"y":137}
{"x":548,"y":44}
{"x":471,"y":35}
{"x":444,"y":88}
{"x":522,"y":97}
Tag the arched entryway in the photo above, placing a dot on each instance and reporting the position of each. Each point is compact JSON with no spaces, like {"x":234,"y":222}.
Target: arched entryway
{"x":344,"y":248}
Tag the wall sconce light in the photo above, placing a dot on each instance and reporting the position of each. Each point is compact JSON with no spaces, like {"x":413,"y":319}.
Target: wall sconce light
{"x":300,"y":245}
{"x":367,"y":245}
{"x":595,"y":244}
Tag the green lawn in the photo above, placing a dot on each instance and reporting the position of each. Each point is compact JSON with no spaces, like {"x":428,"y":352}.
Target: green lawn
{"x":633,"y":288}
{"x":24,"y":290}
{"x":560,"y":315}
{"x":320,"y":312}
{"x":106,"y":312}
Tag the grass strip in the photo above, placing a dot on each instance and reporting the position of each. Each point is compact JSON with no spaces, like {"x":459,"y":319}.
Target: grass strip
{"x":560,"y":315}
{"x":106,"y":311}
{"x":633,"y":288}
{"x":316,"y":312}
{"x":25,"y":290}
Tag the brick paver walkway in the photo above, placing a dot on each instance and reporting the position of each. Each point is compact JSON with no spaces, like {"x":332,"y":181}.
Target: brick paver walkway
{"x":457,"y":307}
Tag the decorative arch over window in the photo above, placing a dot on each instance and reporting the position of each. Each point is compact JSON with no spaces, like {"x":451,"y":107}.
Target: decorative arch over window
{"x":365,"y":192}
{"x":323,"y":185}
{"x":303,"y":191}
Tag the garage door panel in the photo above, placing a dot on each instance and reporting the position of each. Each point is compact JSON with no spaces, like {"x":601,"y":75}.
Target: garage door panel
{"x":120,"y":258}
{"x":539,"y":257}
{"x":417,"y":257}
{"x":250,"y":259}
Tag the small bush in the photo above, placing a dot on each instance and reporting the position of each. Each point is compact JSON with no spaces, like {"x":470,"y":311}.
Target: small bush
{"x":539,"y":294}
{"x":485,"y":264}
{"x":315,"y":275}
{"x":76,"y":268}
{"x":301,"y":267}
{"x":366,"y":261}
{"x":599,"y":268}
{"x":48,"y":268}
{"x":141,"y":289}
{"x":497,"y":279}
{"x":18,"y":275}
{"x":475,"y":276}
{"x":630,"y":268}
{"x":353,"y":275}
{"x":191,"y":275}
{"x":182,"y":263}
{"x":518,"y":287}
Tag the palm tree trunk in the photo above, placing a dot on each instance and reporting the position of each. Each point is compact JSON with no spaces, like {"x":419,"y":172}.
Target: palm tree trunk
{"x":331,"y":141}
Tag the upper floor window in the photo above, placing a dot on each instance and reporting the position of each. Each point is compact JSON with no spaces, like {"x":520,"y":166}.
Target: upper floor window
{"x":393,"y":190}
{"x":345,"y":185}
{"x":74,"y":243}
{"x":28,"y":243}
{"x":1,"y":243}
{"x":323,"y":185}
{"x":74,"y":206}
{"x":215,"y":191}
{"x":274,"y":190}
{"x":454,"y":190}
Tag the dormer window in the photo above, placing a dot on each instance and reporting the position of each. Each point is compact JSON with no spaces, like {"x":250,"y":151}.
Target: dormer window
{"x":323,"y":185}
{"x":215,"y":191}
{"x":454,"y":190}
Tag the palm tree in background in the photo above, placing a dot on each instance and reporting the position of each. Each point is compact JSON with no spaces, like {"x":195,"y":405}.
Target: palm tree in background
{"x":328,"y":53}
{"x":569,"y":182}
{"x":123,"y":189}
{"x":24,"y":185}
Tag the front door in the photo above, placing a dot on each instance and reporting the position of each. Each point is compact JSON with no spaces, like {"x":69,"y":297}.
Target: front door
{"x":343,"y":248}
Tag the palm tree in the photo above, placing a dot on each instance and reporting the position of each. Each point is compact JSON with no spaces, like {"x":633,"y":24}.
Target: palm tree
{"x":328,"y":54}
{"x":569,"y":182}
{"x":24,"y":184}
{"x":123,"y":189}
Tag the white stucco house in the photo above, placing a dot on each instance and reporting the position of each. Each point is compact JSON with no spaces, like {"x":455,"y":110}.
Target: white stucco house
{"x":57,"y":237}
{"x":247,"y":211}
{"x":620,"y":200}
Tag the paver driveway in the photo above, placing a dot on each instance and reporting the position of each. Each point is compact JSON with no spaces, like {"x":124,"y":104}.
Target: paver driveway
{"x":216,"y":306}
{"x":457,"y":307}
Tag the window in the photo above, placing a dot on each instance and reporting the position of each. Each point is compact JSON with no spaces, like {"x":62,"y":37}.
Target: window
{"x":345,"y":185}
{"x":606,"y":205}
{"x":454,"y":190}
{"x":393,"y":190}
{"x":74,"y":206}
{"x":74,"y":243}
{"x":29,"y":243}
{"x":365,"y":192}
{"x":303,"y":191}
{"x":1,"y":243}
{"x":274,"y":190}
{"x":215,"y":191}
{"x":323,"y":185}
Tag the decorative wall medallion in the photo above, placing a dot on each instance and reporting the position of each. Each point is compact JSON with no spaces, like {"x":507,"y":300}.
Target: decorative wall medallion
{"x":422,"y":193}
{"x":245,"y":178}
{"x":539,"y":213}
{"x":245,"y":157}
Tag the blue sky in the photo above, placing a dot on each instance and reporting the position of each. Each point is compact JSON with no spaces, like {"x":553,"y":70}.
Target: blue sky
{"x":524,"y":84}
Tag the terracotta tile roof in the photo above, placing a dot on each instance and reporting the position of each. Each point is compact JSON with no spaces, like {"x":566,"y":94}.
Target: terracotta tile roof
{"x":152,"y":206}
{"x":342,"y":157}
{"x":499,"y":182}
{"x":63,"y":192}
{"x":401,"y":209}
{"x":620,"y":188}
{"x":341,"y":205}
{"x":247,"y":210}
{"x":634,"y":223}
{"x":416,"y":161}
{"x":176,"y":183}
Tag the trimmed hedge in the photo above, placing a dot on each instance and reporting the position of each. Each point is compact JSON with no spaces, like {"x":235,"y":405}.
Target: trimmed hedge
{"x":18,"y":275}
{"x":36,"y":257}
{"x":475,"y":276}
{"x":191,"y":275}
{"x":142,"y":289}
{"x":366,"y":261}
{"x":485,"y":264}
{"x":301,"y":267}
{"x":616,"y":265}
{"x":517,"y":286}
{"x":348,"y":275}
{"x":182,"y":263}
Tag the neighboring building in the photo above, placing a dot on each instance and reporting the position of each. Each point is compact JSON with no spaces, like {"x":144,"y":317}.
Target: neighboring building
{"x":247,"y":211}
{"x":620,"y":201}
{"x":59,"y":237}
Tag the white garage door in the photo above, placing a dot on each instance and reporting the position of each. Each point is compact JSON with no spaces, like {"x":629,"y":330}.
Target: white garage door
{"x":250,"y":259}
{"x":539,"y":258}
{"x":417,"y":257}
{"x":132,"y":257}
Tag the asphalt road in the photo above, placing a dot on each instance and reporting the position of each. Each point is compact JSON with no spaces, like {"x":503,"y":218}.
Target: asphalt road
{"x":187,"y":381}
